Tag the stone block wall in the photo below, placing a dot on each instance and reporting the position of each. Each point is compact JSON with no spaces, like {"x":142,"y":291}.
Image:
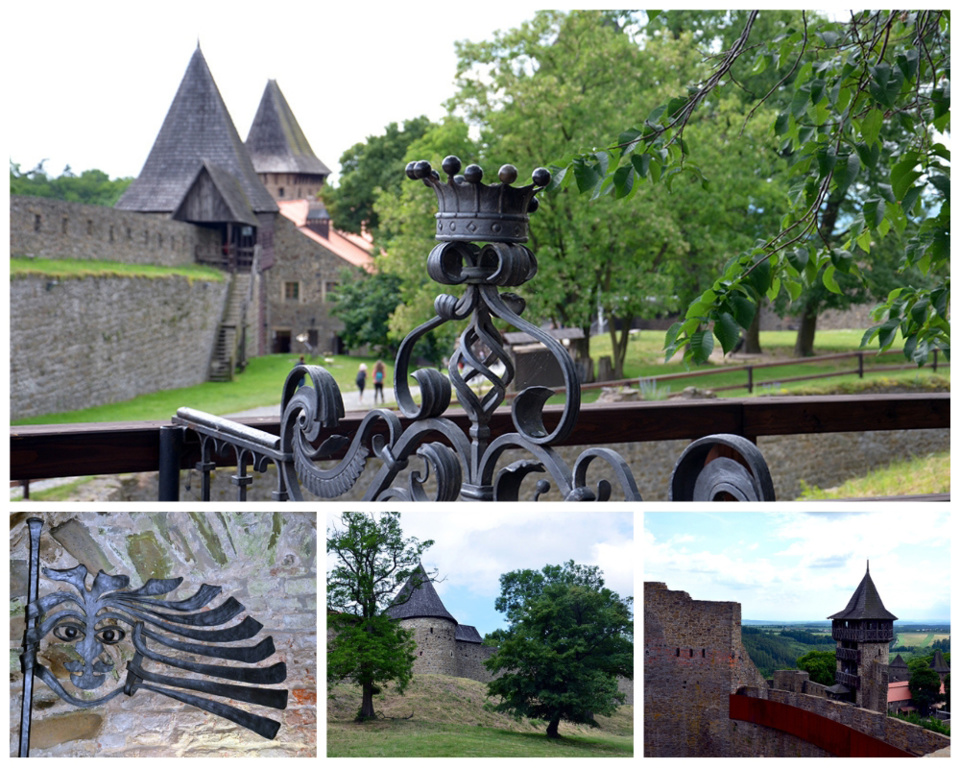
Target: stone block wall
{"x":898,"y":733}
{"x":86,"y":342}
{"x":436,"y":646}
{"x":267,"y":561}
{"x":314,"y":269}
{"x":55,"y":229}
{"x":470,"y":658}
{"x":693,"y":660}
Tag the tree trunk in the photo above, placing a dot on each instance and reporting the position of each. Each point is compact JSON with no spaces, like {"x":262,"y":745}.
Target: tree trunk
{"x":618,"y":343}
{"x":751,"y":340}
{"x":807,"y":333}
{"x":552,"y":728}
{"x":366,"y":707}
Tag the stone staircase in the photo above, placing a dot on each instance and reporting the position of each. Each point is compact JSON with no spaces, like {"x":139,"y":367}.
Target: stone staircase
{"x":224,"y":358}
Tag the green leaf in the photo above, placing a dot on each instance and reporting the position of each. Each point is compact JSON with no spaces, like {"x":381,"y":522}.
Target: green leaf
{"x":623,"y":181}
{"x":588,"y":175}
{"x":848,"y":167}
{"x":641,"y":163}
{"x":742,"y":309}
{"x":888,"y":332}
{"x":727,"y":331}
{"x":782,"y":124}
{"x":870,"y":126}
{"x":869,"y":154}
{"x":701,"y":345}
{"x":798,"y":258}
{"x":873,"y":211}
{"x":830,"y":279}
{"x":826,"y":159}
{"x":760,"y":277}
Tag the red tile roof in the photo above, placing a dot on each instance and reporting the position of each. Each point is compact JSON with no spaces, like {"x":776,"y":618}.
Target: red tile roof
{"x":351,"y":248}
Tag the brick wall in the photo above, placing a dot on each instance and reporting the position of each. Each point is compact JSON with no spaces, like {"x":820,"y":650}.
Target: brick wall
{"x":267,"y":561}
{"x":55,"y":229}
{"x":84,"y":342}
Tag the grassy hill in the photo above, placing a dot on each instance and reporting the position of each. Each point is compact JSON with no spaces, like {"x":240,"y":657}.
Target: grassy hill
{"x":444,"y":716}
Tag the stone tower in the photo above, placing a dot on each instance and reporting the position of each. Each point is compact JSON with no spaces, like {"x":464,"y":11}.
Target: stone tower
{"x":434,"y":629}
{"x":863,"y":631}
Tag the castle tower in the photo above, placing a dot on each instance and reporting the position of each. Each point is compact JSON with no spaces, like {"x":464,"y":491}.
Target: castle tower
{"x":863,"y":631}
{"x":434,"y":629}
{"x":280,"y":151}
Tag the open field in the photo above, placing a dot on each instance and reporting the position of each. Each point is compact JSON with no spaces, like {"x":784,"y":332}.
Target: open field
{"x":444,"y":716}
{"x":920,"y":639}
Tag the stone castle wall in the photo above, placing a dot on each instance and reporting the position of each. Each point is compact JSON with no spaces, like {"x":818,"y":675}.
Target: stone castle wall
{"x":267,"y":561}
{"x":470,"y":658}
{"x":316,"y":271}
{"x":759,"y":741}
{"x":55,"y":229}
{"x":693,"y":660}
{"x":85,"y":342}
{"x":436,"y":646}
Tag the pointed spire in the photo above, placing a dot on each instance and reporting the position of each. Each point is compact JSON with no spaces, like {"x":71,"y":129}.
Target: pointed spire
{"x":865,"y":603}
{"x":276,"y":142}
{"x":421,"y":599}
{"x":197,"y":128}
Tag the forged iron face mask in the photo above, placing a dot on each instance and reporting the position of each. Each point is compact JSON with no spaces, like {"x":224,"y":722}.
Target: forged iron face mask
{"x":92,"y":624}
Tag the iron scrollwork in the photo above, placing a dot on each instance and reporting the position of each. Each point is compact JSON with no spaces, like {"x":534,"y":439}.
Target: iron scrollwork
{"x":93,"y":619}
{"x":462,"y":466}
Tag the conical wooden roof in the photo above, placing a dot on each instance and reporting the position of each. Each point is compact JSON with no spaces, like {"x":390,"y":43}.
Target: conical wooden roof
{"x":197,"y":128}
{"x":276,"y":142}
{"x":865,"y":603}
{"x":422,"y":600}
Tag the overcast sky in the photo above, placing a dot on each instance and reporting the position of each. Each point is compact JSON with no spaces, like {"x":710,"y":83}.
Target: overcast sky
{"x":88,"y":84}
{"x":474,"y":546}
{"x":795,"y":566}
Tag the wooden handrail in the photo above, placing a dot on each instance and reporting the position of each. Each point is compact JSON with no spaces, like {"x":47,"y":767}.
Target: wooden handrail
{"x":68,"y":450}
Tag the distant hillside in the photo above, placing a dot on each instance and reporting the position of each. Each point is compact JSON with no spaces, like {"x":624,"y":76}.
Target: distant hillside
{"x":451,"y":716}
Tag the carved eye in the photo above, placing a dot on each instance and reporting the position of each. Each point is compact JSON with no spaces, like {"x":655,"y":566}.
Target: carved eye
{"x":68,"y":632}
{"x":110,"y":635}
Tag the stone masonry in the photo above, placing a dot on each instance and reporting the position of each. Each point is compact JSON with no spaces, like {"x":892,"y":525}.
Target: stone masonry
{"x":54,"y":229}
{"x":85,"y":342}
{"x":267,"y":561}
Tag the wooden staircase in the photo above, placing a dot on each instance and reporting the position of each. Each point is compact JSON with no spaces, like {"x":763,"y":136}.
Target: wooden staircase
{"x":230,"y":331}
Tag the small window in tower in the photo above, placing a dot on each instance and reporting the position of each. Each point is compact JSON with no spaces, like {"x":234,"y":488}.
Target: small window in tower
{"x":37,"y":218}
{"x":63,"y":225}
{"x":291,"y":291}
{"x":678,"y":651}
{"x":431,"y":630}
{"x":279,"y":191}
{"x":89,"y":227}
{"x":691,"y":653}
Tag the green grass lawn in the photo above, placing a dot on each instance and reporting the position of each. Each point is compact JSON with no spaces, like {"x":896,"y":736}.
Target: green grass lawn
{"x":71,"y":268}
{"x":261,"y":383}
{"x":918,"y":474}
{"x":441,"y":716}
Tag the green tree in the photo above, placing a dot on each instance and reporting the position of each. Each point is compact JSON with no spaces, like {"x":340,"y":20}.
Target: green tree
{"x":925,"y":688}
{"x":846,"y":82}
{"x":822,"y":666}
{"x":557,"y":83}
{"x":366,"y":168}
{"x":364,"y":304}
{"x":93,"y":187}
{"x":568,"y":641}
{"x":373,"y":561}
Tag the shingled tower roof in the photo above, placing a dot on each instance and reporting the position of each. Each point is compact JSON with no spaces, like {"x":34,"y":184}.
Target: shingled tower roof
{"x":939,"y":664}
{"x":865,"y":603}
{"x":197,"y":130}
{"x":276,"y":142}
{"x":423,"y":602}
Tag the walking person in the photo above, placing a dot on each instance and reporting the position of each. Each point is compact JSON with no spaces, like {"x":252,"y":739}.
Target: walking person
{"x":379,"y":374}
{"x":361,"y":379}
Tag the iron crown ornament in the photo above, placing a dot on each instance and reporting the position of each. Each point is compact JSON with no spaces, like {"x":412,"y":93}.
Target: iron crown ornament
{"x":481,"y":231}
{"x":94,"y":619}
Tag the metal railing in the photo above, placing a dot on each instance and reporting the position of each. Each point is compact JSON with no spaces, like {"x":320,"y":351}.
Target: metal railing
{"x":70,"y":450}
